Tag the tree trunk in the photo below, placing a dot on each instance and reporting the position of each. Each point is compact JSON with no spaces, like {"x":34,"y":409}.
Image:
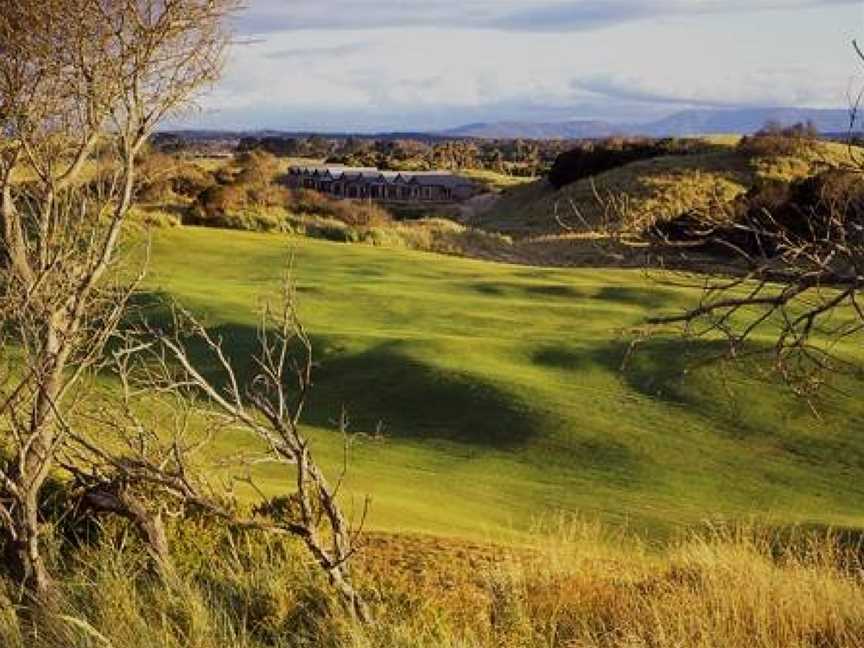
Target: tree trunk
{"x":23,"y":553}
{"x":351,"y":597}
{"x":26,"y":562}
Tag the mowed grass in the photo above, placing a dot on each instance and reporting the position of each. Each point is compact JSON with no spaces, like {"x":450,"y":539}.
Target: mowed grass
{"x":501,"y":399}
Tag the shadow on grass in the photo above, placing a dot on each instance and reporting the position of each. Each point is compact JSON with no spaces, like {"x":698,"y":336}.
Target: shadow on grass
{"x":684,"y":373}
{"x":383,"y":385}
{"x":555,"y":290}
{"x":416,"y":400}
{"x":526,"y":290}
{"x":642,"y":297}
{"x":563,"y":357}
{"x":620,"y":465}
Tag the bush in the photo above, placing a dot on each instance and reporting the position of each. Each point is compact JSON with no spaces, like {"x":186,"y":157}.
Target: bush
{"x":163,"y":178}
{"x":332,"y":230}
{"x":190,"y":180}
{"x":350,"y":212}
{"x":248,"y":199}
{"x":804,"y":210}
{"x":215,"y":202}
{"x":776,"y":141}
{"x":154,"y":217}
{"x":593,"y":158}
{"x":257,"y":167}
{"x":383,"y":237}
{"x":255,"y":187}
{"x":762,"y":146}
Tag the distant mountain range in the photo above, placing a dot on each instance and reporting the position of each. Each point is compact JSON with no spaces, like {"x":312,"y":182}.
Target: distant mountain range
{"x":687,"y":122}
{"x":536,"y":130}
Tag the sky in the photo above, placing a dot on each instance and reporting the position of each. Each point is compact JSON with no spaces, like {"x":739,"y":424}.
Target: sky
{"x":387,"y":65}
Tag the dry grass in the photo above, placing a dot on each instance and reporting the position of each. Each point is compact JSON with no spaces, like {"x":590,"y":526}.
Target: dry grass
{"x":656,"y":189}
{"x":582,"y":585}
{"x":495,"y":181}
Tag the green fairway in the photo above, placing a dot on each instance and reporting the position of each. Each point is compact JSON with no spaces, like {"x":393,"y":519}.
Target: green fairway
{"x":499,"y":392}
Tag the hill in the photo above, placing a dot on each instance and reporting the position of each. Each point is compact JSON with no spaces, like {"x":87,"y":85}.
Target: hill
{"x":536,"y":130}
{"x":745,"y":121}
{"x":655,"y":189}
{"x":741,"y":121}
{"x":498,"y":392}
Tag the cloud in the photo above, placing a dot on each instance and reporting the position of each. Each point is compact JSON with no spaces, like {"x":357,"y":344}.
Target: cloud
{"x":596,"y":14}
{"x":634,"y":90}
{"x":266,"y":16}
{"x":426,"y":77}
{"x":761,"y":88}
{"x":336,"y":51}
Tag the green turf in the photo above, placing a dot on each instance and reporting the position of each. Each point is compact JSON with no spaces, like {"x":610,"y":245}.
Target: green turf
{"x":501,"y":398}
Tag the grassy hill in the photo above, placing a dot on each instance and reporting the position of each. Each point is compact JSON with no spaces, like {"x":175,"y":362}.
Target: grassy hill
{"x":499,"y":392}
{"x":656,"y":189}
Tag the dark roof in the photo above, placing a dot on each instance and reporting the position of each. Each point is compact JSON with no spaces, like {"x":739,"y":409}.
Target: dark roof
{"x":371,"y":174}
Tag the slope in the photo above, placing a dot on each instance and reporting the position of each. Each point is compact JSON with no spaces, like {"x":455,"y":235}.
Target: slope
{"x":500,"y":398}
{"x":659,"y":188}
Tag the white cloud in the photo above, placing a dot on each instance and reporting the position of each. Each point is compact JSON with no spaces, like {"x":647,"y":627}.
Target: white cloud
{"x":428,"y":77}
{"x":263,"y":16}
{"x":760,"y":88}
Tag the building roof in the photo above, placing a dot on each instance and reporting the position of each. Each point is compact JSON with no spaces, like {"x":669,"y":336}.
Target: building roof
{"x":353,"y":174}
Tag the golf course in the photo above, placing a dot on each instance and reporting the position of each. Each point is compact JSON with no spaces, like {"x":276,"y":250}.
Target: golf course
{"x":484,"y":398}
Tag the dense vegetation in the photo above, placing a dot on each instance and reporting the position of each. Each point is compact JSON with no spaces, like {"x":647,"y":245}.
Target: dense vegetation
{"x":249,"y":193}
{"x":773,"y":209}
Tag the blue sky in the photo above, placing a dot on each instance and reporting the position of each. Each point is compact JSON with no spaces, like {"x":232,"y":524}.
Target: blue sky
{"x":367,"y":65}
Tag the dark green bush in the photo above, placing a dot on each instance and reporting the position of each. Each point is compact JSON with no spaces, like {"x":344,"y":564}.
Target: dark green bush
{"x":592,"y":158}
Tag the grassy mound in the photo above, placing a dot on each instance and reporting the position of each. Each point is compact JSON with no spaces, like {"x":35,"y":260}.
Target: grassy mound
{"x":660,"y":188}
{"x":498,"y":392}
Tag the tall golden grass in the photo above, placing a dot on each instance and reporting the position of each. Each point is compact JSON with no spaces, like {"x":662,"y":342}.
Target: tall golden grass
{"x":581,"y":586}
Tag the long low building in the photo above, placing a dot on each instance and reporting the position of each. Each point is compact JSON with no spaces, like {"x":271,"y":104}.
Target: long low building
{"x":385,"y":186}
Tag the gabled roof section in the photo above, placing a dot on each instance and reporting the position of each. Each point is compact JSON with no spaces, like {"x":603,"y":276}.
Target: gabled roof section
{"x":372,"y":174}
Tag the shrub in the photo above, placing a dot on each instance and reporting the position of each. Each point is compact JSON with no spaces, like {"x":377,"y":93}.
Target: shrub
{"x":331,"y":230}
{"x":804,"y":210}
{"x":350,"y":212}
{"x":190,"y":180}
{"x":383,"y":237}
{"x":592,"y":158}
{"x":162,"y":178}
{"x":759,"y":146}
{"x":774,"y":140}
{"x":215,"y":202}
{"x":256,"y":167}
{"x":155,"y":218}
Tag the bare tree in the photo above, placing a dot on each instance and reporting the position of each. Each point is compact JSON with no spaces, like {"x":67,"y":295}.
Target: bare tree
{"x":83,"y":84}
{"x":795,"y":277}
{"x":154,"y":461}
{"x":800,"y":285}
{"x":270,"y":409}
